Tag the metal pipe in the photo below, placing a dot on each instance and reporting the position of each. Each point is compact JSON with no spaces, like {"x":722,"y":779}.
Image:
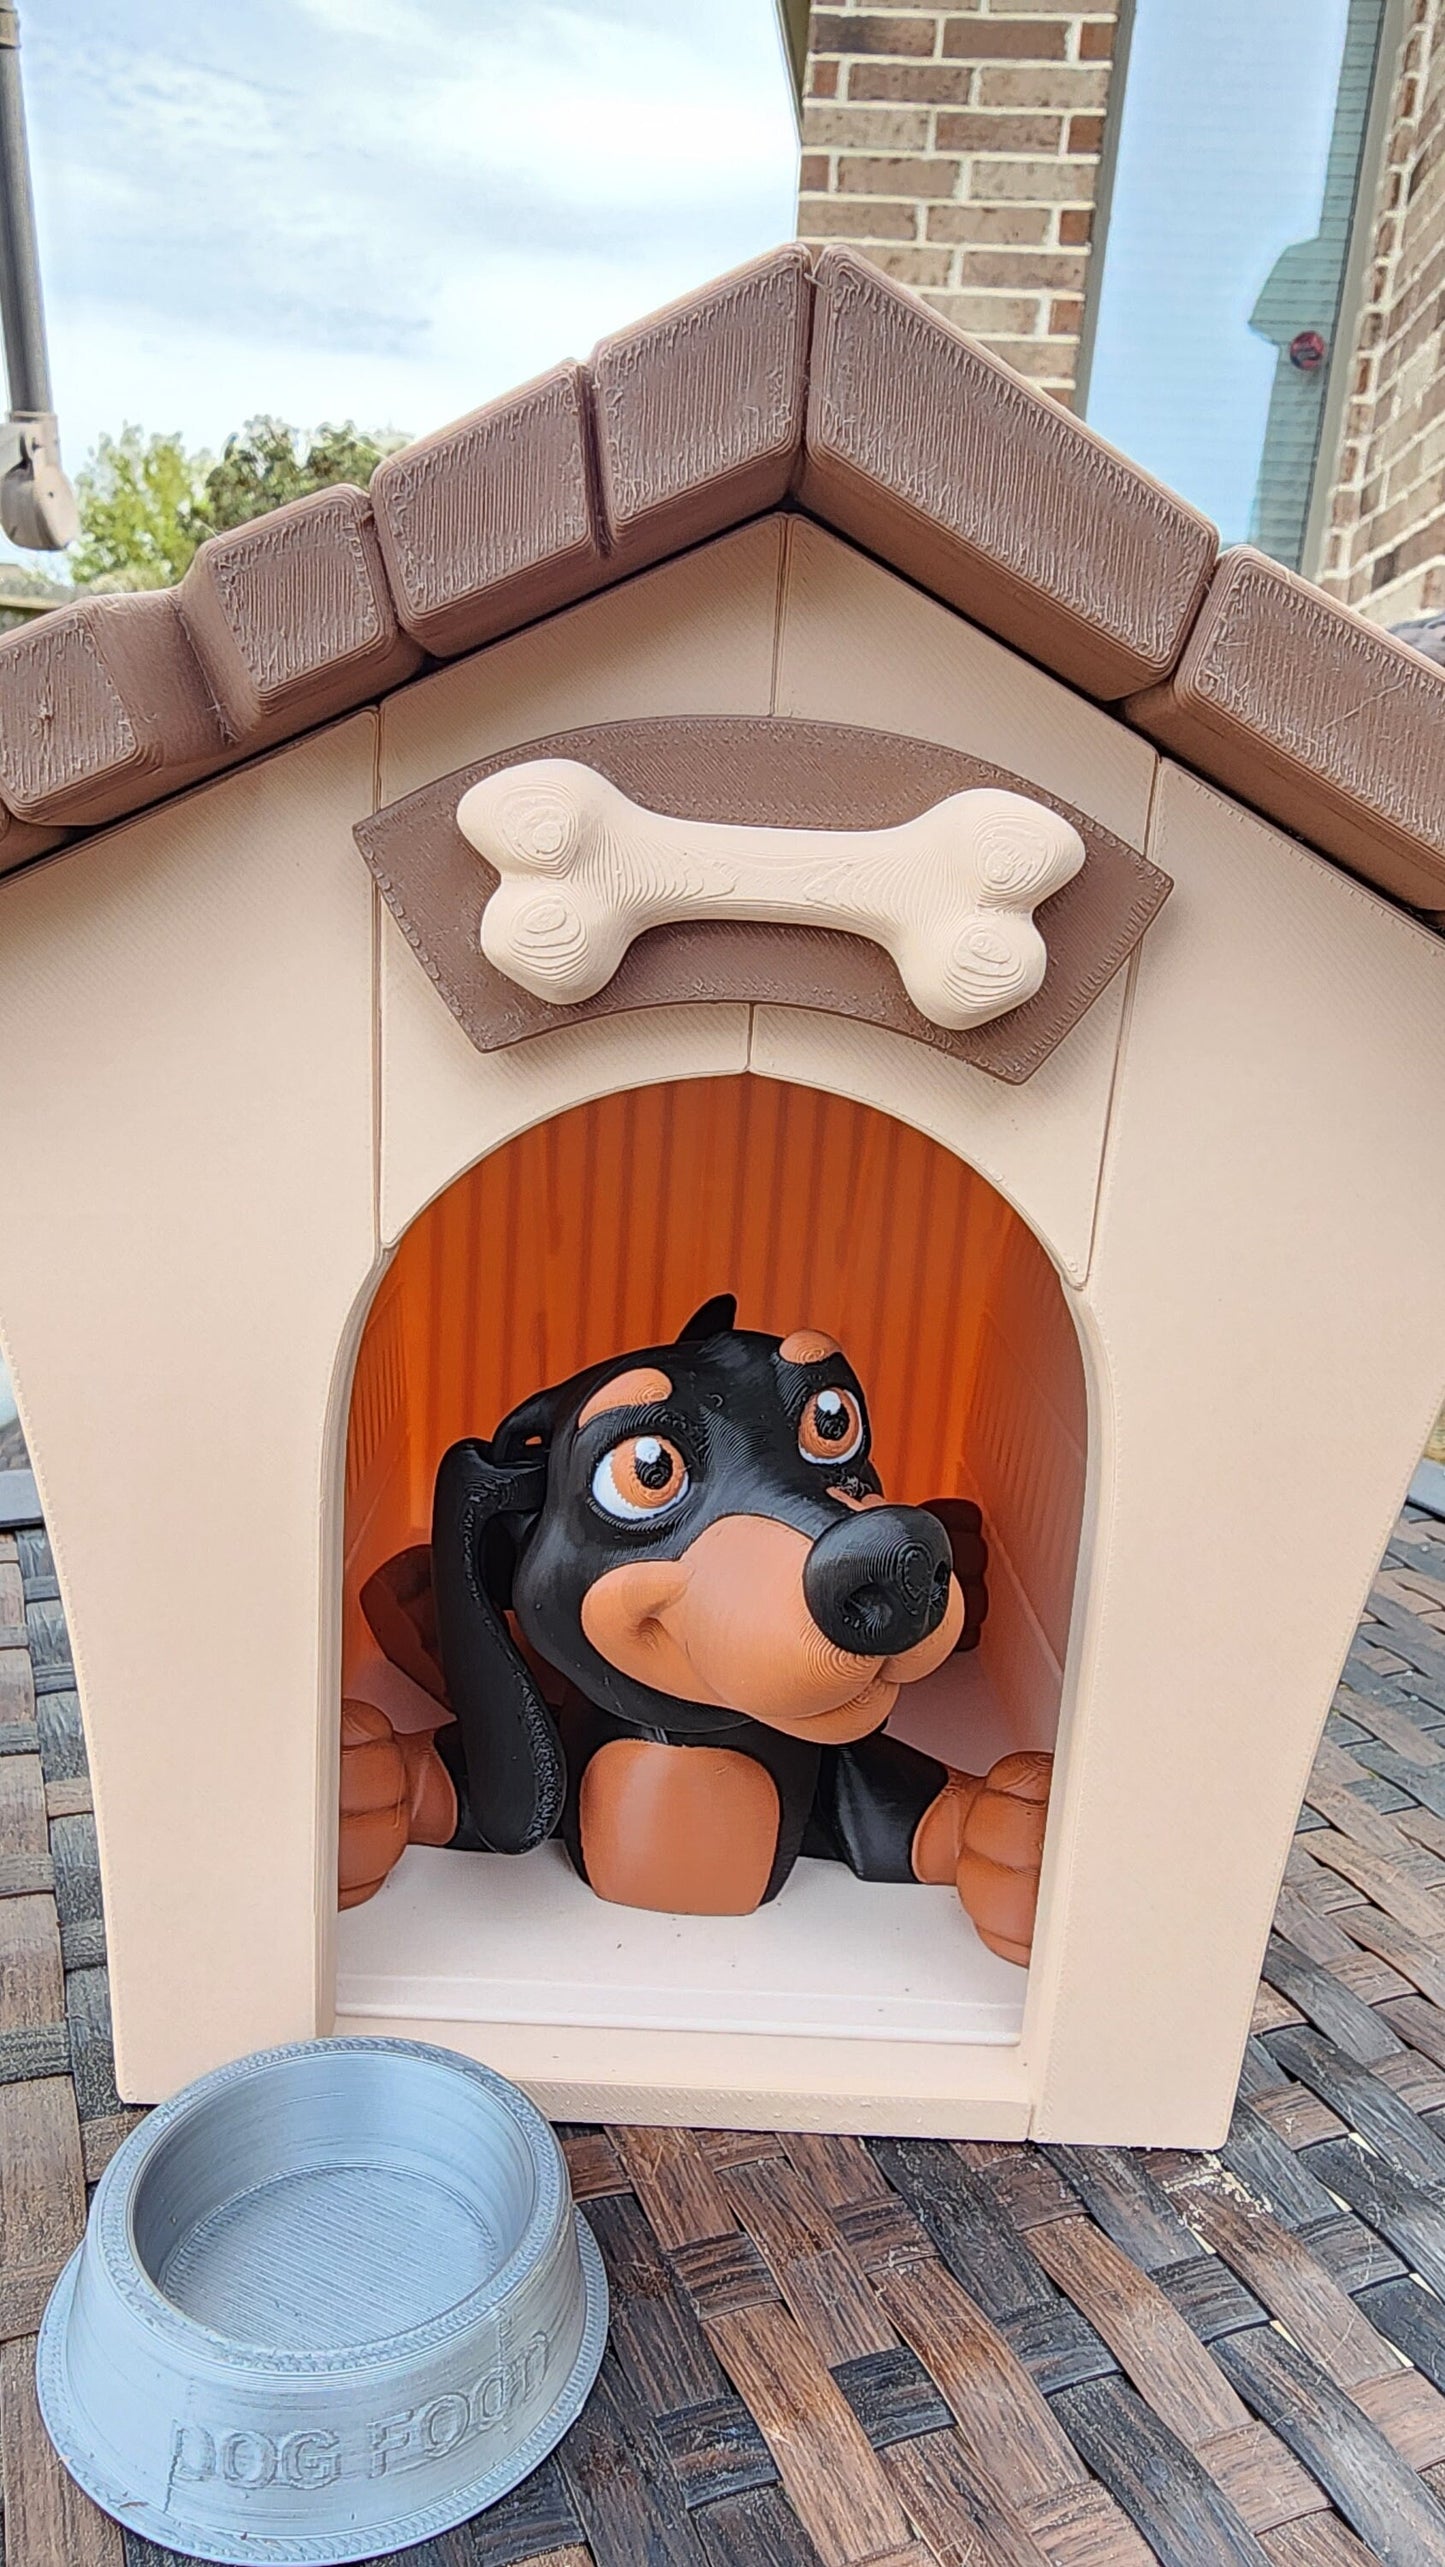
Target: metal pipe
{"x":37,"y":504}
{"x":21,"y":309}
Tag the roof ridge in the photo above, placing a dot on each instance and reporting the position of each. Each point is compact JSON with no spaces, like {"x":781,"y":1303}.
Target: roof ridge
{"x":797,"y":380}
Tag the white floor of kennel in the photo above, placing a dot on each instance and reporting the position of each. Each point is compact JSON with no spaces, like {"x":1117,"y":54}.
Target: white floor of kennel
{"x":492,"y":1953}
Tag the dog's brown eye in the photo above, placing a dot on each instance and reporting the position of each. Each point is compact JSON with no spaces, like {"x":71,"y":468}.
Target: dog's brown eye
{"x":642,"y":1476}
{"x":831,"y":1427}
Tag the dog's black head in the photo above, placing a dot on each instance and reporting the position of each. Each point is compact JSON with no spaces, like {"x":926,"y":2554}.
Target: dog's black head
{"x":695,"y":1535}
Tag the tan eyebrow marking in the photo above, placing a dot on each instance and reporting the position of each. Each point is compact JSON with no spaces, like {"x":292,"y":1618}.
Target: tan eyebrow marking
{"x":808,"y":1346}
{"x":641,"y":1388}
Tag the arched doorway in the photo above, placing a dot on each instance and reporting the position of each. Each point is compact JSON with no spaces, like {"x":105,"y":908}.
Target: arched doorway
{"x":599,"y":1230}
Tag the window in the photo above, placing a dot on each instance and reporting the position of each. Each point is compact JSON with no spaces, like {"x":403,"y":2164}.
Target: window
{"x":1240,"y":142}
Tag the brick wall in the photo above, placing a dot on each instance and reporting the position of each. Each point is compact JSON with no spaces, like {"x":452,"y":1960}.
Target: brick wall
{"x":959,"y":147}
{"x":1385,"y":546}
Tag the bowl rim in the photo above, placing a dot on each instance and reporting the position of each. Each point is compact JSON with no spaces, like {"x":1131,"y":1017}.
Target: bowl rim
{"x":317,"y":2549}
{"x":111,"y":2229}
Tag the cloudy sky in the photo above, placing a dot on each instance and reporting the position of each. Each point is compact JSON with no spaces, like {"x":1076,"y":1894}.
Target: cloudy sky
{"x":389,"y":210}
{"x":386,"y":210}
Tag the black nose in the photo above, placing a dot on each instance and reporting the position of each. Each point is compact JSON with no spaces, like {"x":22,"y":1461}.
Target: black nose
{"x":877,"y":1583}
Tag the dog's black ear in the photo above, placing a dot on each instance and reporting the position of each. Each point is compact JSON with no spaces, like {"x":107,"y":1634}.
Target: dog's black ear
{"x":714,"y":1319}
{"x":516,"y":1778}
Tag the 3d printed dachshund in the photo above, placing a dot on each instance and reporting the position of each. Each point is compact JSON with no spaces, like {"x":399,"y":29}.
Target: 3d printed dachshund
{"x":709,"y":1584}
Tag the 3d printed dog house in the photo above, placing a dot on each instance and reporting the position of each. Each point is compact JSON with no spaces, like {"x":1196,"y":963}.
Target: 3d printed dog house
{"x":793,"y":517}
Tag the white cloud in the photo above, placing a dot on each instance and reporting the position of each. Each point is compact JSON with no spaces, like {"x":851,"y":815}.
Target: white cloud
{"x":389,"y":210}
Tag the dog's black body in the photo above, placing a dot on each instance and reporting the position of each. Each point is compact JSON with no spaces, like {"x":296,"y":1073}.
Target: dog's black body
{"x":735,"y":1457}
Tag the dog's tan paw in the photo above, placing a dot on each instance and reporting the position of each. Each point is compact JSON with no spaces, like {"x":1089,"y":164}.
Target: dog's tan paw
{"x":1001,"y":1849}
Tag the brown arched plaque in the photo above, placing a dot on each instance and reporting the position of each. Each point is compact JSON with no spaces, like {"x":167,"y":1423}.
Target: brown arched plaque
{"x":765,"y":772}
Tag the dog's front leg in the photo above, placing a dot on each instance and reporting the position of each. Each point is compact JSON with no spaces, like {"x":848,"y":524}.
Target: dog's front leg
{"x":894,"y":1814}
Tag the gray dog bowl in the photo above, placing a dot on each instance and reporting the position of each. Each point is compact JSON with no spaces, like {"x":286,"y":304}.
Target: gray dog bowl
{"x":330,"y":2301}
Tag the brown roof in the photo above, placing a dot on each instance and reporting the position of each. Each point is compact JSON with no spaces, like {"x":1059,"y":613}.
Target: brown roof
{"x":816,"y":384}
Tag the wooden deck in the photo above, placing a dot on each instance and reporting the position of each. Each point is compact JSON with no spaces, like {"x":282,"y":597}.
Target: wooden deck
{"x":906,"y":2353}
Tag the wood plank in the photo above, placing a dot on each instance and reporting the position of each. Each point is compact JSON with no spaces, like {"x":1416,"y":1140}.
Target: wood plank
{"x":958,"y":2212}
{"x":1389,"y":1884}
{"x":69,"y":1798}
{"x":963,"y":2526}
{"x":754,"y":2530}
{"x":1269,"y":2168}
{"x":1413,"y":2319}
{"x":591,"y":2165}
{"x":32,"y":1979}
{"x":1398,"y":2135}
{"x":12,"y":1590}
{"x":1122,"y":2197}
{"x":1410,"y":2215}
{"x":99,"y":2140}
{"x":1419,"y":1962}
{"x":623,"y":2492}
{"x":892,"y":2396}
{"x":1326,"y":2003}
{"x":24,"y":2290}
{"x":1056,"y":2344}
{"x":24,"y":1875}
{"x":1321,"y":2541}
{"x":655,"y":2333}
{"x":829,"y":2472}
{"x":1403,"y":1632}
{"x":42,"y":2192}
{"x":839,"y":2171}
{"x":807,"y":2256}
{"x":881,"y":2236}
{"x":1410,"y":2415}
{"x":676,"y":2186}
{"x":1263,"y":2481}
{"x":1293,"y":2285}
{"x":48,"y":2522}
{"x":22,"y":1807}
{"x":1394,"y":1728}
{"x":724,"y":2273}
{"x":1015,"y":2450}
{"x":1186,"y":2519}
{"x":1378,"y":2495}
{"x":1143,"y":2330}
{"x":1083,"y":2527}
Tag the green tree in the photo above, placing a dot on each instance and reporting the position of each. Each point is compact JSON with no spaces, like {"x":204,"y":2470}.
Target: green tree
{"x":146,"y":503}
{"x":268,"y":463}
{"x":140,"y":512}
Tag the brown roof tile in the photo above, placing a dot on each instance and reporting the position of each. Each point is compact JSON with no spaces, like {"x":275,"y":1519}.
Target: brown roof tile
{"x":490,"y":523}
{"x":700,"y":409}
{"x":104,"y":709}
{"x":943,"y":461}
{"x":826,"y":387}
{"x":291,"y":617}
{"x":1327,"y":724}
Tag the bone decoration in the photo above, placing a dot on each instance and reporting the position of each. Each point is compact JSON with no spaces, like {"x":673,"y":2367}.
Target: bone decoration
{"x":949,"y":895}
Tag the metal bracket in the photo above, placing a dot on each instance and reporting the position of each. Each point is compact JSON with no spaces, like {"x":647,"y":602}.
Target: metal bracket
{"x":37,"y":504}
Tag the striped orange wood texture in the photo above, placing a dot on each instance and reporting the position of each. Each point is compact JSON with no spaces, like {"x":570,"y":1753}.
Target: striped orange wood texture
{"x":899,"y":2353}
{"x":603,"y":1228}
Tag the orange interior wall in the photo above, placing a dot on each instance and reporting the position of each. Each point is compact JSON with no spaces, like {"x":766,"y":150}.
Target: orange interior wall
{"x":603,"y":1228}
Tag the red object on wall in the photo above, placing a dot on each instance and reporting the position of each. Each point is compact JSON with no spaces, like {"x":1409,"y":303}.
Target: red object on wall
{"x":1307,"y":351}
